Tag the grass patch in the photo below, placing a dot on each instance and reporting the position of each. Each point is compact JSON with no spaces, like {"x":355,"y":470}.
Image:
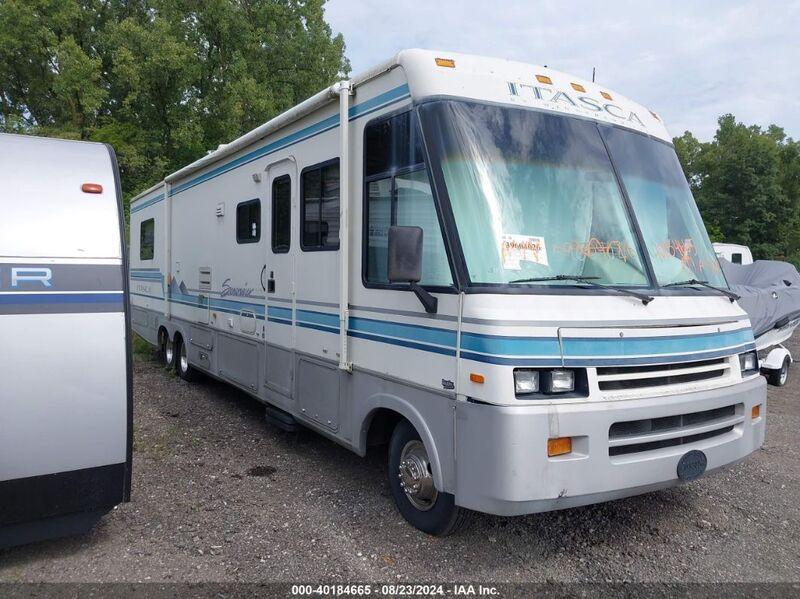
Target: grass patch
{"x":143,"y":349}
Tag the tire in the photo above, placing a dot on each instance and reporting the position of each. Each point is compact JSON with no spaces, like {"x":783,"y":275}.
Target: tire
{"x":779,"y":376}
{"x":425,"y":508}
{"x":185,"y":370}
{"x":169,"y":352}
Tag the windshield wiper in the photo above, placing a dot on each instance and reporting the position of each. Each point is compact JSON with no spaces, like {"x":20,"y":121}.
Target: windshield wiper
{"x":645,"y":299}
{"x":730,"y":294}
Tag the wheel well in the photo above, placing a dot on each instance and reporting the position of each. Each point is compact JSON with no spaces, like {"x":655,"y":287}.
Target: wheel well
{"x":381,"y":425}
{"x":162,"y":335}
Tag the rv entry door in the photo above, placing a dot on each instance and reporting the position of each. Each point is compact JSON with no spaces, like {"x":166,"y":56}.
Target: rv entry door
{"x":278,"y":273}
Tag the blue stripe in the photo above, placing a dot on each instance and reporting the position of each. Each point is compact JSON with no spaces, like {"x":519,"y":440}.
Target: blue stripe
{"x":61,"y":298}
{"x":145,"y":295}
{"x":404,"y":331}
{"x":319,"y":318}
{"x":146,"y":277}
{"x":511,"y":346}
{"x":401,"y":343}
{"x":146,"y":203}
{"x":514,"y":351}
{"x":380,"y":101}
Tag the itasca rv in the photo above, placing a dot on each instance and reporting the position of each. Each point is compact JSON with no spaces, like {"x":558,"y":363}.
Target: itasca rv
{"x":65,"y":374}
{"x":495,"y":267}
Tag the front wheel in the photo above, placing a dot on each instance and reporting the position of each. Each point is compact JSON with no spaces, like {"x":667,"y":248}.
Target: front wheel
{"x":779,"y":376}
{"x":411,"y":481}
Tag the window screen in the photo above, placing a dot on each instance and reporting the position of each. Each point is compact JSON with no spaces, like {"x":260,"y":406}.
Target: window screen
{"x":320,"y":207}
{"x":147,"y":232}
{"x":281,"y":214}
{"x":248,"y":221}
{"x":399,"y":193}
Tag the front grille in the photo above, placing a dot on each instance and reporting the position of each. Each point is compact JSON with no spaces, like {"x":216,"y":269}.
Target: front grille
{"x":616,"y":378}
{"x":635,"y":436}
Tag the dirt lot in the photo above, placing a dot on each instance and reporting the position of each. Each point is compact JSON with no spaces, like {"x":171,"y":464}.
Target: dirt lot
{"x":219,"y":495}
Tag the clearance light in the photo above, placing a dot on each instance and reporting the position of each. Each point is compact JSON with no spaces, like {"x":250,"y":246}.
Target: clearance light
{"x":755,"y":413}
{"x":655,"y":116}
{"x":446,"y":62}
{"x":544,"y":79}
{"x":606,"y":95}
{"x":578,"y":87}
{"x":477,"y":378}
{"x":92,"y":188}
{"x":559,"y":446}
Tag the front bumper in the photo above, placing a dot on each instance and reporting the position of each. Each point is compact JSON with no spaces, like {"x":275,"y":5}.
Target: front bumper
{"x":501,"y":451}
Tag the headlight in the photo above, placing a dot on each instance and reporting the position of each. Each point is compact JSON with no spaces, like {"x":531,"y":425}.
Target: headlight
{"x":526,"y":381}
{"x":561,"y":381}
{"x":546,"y":381}
{"x":748,"y":362}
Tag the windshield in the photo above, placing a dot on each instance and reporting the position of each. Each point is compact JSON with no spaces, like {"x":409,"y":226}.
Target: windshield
{"x":673,"y":231}
{"x":533,"y":195}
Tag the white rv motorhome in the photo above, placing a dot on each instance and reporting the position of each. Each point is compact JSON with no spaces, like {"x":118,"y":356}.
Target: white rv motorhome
{"x":66,"y":407}
{"x":495,"y":267}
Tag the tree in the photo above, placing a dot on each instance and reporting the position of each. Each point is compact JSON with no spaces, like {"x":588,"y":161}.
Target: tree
{"x":162,"y":81}
{"x":747,"y":186}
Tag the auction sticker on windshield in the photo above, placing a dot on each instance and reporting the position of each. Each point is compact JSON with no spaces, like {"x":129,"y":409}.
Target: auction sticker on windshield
{"x":516,"y":249}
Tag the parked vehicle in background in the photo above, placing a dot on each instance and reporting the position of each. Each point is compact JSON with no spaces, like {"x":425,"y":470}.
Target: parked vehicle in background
{"x":496,"y":268}
{"x":65,"y":371}
{"x":734,"y":253}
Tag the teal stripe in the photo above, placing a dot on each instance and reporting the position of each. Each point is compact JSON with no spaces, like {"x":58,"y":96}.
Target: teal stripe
{"x":146,"y":203}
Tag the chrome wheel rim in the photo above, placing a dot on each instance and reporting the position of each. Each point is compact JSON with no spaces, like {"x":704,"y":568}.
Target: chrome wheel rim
{"x":416,"y":478}
{"x":169,"y":351}
{"x":784,"y":373}
{"x":184,"y":359}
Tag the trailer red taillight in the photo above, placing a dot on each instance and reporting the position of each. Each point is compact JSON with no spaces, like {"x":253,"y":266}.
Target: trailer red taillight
{"x":92,"y":188}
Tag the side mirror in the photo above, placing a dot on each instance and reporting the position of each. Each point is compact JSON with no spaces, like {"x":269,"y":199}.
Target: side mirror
{"x":405,"y":263}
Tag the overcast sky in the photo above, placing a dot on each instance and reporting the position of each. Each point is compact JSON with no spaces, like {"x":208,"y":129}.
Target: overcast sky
{"x":688,"y":61}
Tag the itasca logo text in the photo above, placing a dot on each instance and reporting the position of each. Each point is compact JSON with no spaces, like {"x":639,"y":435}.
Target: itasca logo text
{"x":25,"y":277}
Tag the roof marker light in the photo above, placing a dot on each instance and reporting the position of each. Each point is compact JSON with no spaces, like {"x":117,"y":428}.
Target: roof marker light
{"x":606,"y":95}
{"x":655,"y":116}
{"x":544,"y":79}
{"x":446,"y":62}
{"x":578,"y":87}
{"x":92,"y":188}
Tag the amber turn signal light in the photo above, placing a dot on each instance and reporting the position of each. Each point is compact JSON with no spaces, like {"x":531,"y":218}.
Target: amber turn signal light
{"x":476,"y":378}
{"x":755,"y":414}
{"x":559,"y":446}
{"x":92,"y":188}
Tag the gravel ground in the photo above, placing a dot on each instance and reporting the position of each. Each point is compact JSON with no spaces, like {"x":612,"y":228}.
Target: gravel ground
{"x":218,"y":495}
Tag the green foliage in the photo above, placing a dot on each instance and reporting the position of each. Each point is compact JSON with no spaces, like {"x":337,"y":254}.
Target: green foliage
{"x":747,"y":186}
{"x":163,"y":81}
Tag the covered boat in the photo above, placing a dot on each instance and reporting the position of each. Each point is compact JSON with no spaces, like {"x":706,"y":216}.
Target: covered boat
{"x":770,"y":294}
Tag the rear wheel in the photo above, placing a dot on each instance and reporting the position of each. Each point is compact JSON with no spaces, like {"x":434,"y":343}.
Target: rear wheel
{"x":185,"y":370}
{"x":169,"y":352}
{"x":779,"y":376}
{"x":411,"y":481}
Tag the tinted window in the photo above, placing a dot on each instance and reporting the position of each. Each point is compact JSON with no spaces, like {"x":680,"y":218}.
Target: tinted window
{"x":147,"y":231}
{"x":281,"y":214}
{"x":320,"y":207}
{"x":248,"y":222}
{"x":398,"y":193}
{"x":736,"y":258}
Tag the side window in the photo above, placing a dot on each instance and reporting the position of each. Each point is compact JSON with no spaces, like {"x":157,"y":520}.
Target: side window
{"x":736,"y":258}
{"x":319,"y":208}
{"x":398,"y":192}
{"x":281,"y":214}
{"x":248,"y":221}
{"x":147,"y":234}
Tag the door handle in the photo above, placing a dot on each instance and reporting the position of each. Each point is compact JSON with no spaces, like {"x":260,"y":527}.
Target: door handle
{"x":271,"y":282}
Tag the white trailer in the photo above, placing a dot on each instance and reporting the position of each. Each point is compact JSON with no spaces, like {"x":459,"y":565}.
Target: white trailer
{"x":489,"y":265}
{"x":65,"y":373}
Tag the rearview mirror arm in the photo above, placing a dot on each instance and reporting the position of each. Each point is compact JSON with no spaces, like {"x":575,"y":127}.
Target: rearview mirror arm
{"x":429,"y":302}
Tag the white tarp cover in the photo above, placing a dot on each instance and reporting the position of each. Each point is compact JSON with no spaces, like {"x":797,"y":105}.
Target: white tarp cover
{"x":769,"y":290}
